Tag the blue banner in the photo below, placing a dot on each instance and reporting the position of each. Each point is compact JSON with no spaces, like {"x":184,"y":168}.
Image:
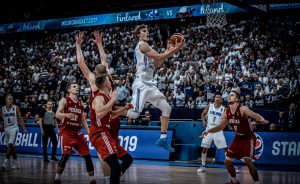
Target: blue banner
{"x":284,"y":6}
{"x":121,"y":17}
{"x":271,"y":148}
{"x":140,"y":143}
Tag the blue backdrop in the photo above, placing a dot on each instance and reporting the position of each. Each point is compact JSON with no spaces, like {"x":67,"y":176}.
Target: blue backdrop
{"x":140,"y":143}
{"x":271,"y":148}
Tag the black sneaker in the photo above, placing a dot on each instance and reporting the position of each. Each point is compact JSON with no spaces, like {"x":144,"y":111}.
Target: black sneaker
{"x":54,"y":159}
{"x":46,"y":160}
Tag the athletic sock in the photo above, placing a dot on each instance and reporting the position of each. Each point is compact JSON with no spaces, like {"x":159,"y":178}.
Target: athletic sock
{"x":163,"y":135}
{"x":203,"y":158}
{"x":57,"y":176}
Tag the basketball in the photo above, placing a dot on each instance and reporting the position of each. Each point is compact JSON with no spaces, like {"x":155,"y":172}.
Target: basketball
{"x":176,"y":38}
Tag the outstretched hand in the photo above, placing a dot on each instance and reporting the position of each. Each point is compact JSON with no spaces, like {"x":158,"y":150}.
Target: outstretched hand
{"x":98,"y":37}
{"x":79,"y":38}
{"x":129,"y":106}
{"x":264,"y":121}
{"x":203,"y":134}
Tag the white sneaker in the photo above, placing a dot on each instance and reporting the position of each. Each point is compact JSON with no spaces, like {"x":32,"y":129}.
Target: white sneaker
{"x":201,"y":170}
{"x":4,"y":165}
{"x":15,"y":165}
{"x":237,"y":171}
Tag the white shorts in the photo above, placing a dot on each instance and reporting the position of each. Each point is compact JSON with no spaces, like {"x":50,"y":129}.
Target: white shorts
{"x":218,"y":139}
{"x":11,"y":133}
{"x":144,"y":92}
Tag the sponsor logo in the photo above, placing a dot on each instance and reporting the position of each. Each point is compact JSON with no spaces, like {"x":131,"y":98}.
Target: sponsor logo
{"x":259,"y":147}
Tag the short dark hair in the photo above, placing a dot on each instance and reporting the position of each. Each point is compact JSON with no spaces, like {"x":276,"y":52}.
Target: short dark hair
{"x":100,"y":79}
{"x":138,"y":29}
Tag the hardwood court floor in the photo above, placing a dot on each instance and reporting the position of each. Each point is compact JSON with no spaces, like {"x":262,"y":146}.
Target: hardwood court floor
{"x":34,"y":170}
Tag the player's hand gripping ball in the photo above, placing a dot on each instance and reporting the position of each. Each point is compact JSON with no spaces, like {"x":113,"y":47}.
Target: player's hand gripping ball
{"x":176,"y":38}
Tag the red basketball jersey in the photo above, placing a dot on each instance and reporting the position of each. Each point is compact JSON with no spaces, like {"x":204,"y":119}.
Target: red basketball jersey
{"x":72,"y":126}
{"x":239,"y":124}
{"x":100,"y":123}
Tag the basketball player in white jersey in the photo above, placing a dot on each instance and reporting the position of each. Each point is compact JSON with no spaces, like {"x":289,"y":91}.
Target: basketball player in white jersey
{"x":144,"y":89}
{"x":11,"y":115}
{"x":211,"y":117}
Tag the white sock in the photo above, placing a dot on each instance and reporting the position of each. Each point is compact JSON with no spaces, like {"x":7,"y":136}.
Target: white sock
{"x":91,"y":178}
{"x":107,"y":179}
{"x":163,"y":135}
{"x":57,"y":176}
{"x":203,"y":158}
{"x":256,"y":182}
{"x":5,"y":160}
{"x":233,"y":179}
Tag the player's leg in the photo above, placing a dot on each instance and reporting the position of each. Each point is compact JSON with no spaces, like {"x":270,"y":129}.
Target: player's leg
{"x":105,"y":169}
{"x":230,"y":168}
{"x":125,"y":157}
{"x":157,"y":99}
{"x":82,"y":148}
{"x":252,"y":169}
{"x":66,"y":148}
{"x":205,"y":144}
{"x":60,"y":167}
{"x":8,"y":151}
{"x":90,"y":168}
{"x":114,"y":164}
{"x":248,"y":150}
{"x":13,"y":136}
{"x":234,"y":152}
{"x":139,"y":91}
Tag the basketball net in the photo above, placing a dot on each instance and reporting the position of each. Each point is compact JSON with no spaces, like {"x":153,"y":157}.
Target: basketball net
{"x":215,"y":13}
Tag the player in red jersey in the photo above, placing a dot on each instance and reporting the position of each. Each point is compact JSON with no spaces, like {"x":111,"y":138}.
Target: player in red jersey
{"x":91,"y":76}
{"x":100,"y":135}
{"x":70,"y":112}
{"x":243,"y":144}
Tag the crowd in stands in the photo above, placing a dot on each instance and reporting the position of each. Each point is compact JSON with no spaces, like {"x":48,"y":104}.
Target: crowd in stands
{"x":257,"y":57}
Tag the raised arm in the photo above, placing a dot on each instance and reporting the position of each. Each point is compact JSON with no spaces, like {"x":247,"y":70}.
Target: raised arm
{"x":204,"y":116}
{"x":101,"y":108}
{"x":99,"y":42}
{"x":245,"y":111}
{"x":20,"y":119}
{"x":160,"y":58}
{"x":90,"y":76}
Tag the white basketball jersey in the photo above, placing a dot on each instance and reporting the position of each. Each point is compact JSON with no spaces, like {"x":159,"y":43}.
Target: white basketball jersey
{"x":144,"y":65}
{"x":9,"y":116}
{"x":214,"y":116}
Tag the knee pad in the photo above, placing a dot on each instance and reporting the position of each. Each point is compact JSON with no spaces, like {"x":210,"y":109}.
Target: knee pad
{"x":89,"y":163}
{"x":133,"y":114}
{"x":62,"y":162}
{"x":164,"y":107}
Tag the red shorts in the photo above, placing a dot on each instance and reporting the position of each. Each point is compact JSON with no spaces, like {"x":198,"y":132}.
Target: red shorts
{"x":77,"y":142}
{"x":242,"y":147}
{"x":115,"y":126}
{"x":105,"y":144}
